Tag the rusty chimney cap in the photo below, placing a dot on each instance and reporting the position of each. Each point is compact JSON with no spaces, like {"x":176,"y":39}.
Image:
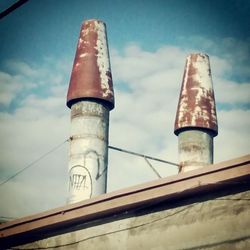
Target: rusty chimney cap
{"x":91,"y":74}
{"x":196,"y":108}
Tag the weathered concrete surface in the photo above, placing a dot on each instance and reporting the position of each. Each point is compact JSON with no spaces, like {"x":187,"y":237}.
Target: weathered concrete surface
{"x":88,"y":156}
{"x":220,"y":222}
{"x":195,"y":149}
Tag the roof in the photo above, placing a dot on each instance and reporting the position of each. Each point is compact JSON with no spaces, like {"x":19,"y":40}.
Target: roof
{"x":166,"y":189}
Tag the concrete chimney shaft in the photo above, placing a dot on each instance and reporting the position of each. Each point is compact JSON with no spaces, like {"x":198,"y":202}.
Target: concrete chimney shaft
{"x":196,"y":120}
{"x":90,"y":97}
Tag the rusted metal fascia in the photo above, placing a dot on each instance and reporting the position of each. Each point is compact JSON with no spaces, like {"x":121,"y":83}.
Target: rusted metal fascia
{"x":108,"y":204}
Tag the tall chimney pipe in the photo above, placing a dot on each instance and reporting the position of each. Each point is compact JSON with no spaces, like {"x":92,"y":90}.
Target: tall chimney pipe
{"x":196,"y":120}
{"x":90,"y":98}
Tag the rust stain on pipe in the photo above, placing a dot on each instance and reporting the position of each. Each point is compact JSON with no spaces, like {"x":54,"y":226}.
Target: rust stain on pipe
{"x":196,"y":108}
{"x":91,"y":74}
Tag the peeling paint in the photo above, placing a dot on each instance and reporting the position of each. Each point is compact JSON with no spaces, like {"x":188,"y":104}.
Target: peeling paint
{"x":196,"y":121}
{"x":83,"y":55}
{"x":103,"y":58}
{"x":79,"y":43}
{"x":196,"y":106}
{"x":91,"y":74}
{"x":90,"y":97}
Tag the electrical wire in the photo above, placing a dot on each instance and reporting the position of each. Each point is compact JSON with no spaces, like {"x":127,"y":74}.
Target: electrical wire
{"x":32,"y":163}
{"x":111,"y":147}
{"x":144,"y":156}
{"x":151,"y":166}
{"x":12,"y":8}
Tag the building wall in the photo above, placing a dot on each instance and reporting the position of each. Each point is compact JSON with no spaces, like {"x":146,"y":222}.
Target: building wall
{"x":211,"y":221}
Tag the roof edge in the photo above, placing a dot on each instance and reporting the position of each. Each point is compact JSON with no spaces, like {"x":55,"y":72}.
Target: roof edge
{"x":119,"y":201}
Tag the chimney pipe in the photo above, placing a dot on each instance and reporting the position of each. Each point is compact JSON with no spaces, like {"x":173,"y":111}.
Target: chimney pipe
{"x":196,"y":120}
{"x":90,"y":98}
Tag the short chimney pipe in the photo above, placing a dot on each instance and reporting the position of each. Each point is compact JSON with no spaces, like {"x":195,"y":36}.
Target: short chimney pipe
{"x":196,"y":120}
{"x":90,"y":98}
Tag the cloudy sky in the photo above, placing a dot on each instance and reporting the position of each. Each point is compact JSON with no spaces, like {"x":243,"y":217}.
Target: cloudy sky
{"x":149,"y":42}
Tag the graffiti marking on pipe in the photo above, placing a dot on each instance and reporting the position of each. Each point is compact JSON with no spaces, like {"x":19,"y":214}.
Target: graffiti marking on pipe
{"x":80,"y":180}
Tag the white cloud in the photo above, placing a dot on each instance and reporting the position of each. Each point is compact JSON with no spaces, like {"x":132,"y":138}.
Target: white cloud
{"x":9,"y":87}
{"x":147,"y":86}
{"x":220,"y":66}
{"x":233,"y":138}
{"x":51,"y":106}
{"x":234,"y":52}
{"x":36,"y":125}
{"x":38,"y":189}
{"x":22,"y":68}
{"x":25,"y":136}
{"x":23,"y":79}
{"x":225,"y":88}
{"x":135,"y":64}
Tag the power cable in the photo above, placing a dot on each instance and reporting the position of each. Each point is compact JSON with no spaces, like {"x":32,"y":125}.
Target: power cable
{"x":12,"y":8}
{"x":32,"y":163}
{"x":144,"y":156}
{"x":151,"y":166}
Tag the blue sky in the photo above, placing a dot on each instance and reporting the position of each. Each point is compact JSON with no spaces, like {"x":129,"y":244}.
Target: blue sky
{"x":44,"y":28}
{"x":148,"y":42}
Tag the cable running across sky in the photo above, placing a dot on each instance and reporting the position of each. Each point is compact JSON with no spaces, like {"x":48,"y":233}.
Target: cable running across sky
{"x":12,"y":8}
{"x":32,"y":163}
{"x":111,"y":147}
